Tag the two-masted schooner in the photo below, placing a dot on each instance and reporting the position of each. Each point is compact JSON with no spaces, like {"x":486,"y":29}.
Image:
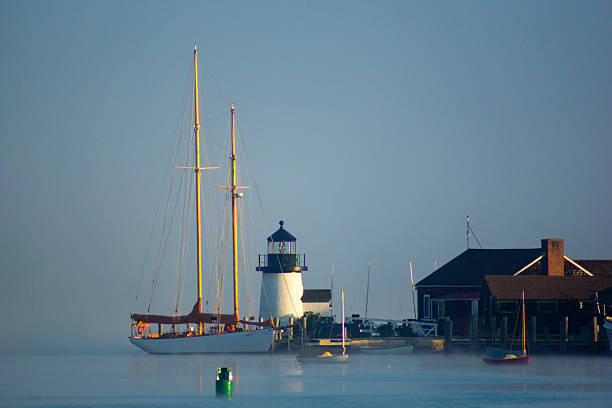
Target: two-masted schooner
{"x":215,"y":333}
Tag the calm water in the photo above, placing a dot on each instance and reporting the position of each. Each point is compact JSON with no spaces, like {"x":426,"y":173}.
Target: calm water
{"x":418,"y":380}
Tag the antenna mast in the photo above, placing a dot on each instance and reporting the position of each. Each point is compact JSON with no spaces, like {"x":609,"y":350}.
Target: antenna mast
{"x":368,"y":288}
{"x":467,"y":232}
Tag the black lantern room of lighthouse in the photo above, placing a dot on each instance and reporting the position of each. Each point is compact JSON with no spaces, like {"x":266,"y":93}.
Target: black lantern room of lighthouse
{"x":282,"y":256}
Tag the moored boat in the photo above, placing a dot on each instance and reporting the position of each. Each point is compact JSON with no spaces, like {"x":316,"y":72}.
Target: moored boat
{"x":326,"y":357}
{"x":405,"y":349}
{"x":499,"y":356}
{"x":214,"y":333}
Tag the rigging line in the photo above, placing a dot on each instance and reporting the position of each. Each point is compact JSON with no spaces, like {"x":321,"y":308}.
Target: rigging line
{"x":244,"y":219}
{"x":224,"y":227}
{"x":224,"y":248}
{"x":250,"y":239}
{"x":163,"y":239}
{"x":254,"y":182}
{"x":516,"y":321}
{"x":162,"y":250}
{"x":179,"y":126}
{"x":186,"y":211}
{"x":475,"y":237}
{"x":243,"y":263}
{"x":164,"y":244}
{"x":186,"y":230}
{"x":214,"y":80}
{"x":180,"y":252}
{"x":212,"y":245}
{"x":264,"y":212}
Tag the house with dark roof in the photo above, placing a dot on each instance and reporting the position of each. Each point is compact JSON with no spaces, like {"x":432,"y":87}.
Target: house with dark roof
{"x":317,"y":301}
{"x":471,"y":284}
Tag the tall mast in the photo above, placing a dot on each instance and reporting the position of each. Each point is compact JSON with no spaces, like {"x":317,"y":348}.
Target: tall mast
{"x":235,"y":196}
{"x":523,"y":331}
{"x":196,"y":129}
{"x":234,"y":215}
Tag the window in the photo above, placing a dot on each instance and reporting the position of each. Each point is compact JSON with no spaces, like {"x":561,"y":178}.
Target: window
{"x":281,"y":247}
{"x":547,"y":306}
{"x":426,"y":307}
{"x":507,"y":306}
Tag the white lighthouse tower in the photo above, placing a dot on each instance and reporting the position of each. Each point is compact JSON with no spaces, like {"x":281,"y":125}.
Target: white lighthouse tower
{"x":281,"y":282}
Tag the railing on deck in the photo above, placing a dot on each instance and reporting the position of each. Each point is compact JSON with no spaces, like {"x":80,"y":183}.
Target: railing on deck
{"x":285,"y":260}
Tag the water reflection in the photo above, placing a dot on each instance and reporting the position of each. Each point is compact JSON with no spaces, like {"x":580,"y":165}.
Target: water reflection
{"x":424,"y":378}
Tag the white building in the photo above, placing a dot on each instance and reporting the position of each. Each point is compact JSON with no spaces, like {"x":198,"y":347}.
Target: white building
{"x":281,"y":282}
{"x":317,"y":301}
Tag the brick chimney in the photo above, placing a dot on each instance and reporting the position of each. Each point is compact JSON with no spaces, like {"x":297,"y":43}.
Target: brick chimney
{"x":553,"y":256}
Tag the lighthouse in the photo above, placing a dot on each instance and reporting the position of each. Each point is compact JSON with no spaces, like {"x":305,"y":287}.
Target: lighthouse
{"x":281,"y":282}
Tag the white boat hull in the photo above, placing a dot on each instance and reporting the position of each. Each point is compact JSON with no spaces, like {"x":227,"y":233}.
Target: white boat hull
{"x":252,"y":341}
{"x":342,"y":358}
{"x":389,"y":350}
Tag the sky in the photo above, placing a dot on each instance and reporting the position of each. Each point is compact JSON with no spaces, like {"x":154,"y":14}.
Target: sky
{"x":372,"y":130}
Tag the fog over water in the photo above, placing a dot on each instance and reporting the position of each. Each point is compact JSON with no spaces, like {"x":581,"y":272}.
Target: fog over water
{"x":279,"y":380}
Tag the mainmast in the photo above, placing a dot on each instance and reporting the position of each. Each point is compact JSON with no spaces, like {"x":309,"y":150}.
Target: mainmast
{"x":196,"y":130}
{"x":234,"y":215}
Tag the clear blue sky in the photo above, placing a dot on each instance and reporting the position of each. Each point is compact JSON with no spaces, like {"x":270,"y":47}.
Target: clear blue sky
{"x":373,"y":130}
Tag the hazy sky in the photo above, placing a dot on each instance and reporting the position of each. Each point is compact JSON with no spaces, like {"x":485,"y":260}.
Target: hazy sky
{"x":372,"y":129}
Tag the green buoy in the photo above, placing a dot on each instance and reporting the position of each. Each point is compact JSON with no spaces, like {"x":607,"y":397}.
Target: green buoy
{"x":225,"y":382}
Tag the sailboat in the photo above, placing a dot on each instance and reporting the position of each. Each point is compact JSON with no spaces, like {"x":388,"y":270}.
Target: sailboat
{"x":215,"y":333}
{"x":327,"y":357}
{"x":501,"y":356}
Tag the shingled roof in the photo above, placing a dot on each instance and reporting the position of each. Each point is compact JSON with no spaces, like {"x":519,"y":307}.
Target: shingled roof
{"x":470,"y":267}
{"x":539,"y":287}
{"x":598,"y":267}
